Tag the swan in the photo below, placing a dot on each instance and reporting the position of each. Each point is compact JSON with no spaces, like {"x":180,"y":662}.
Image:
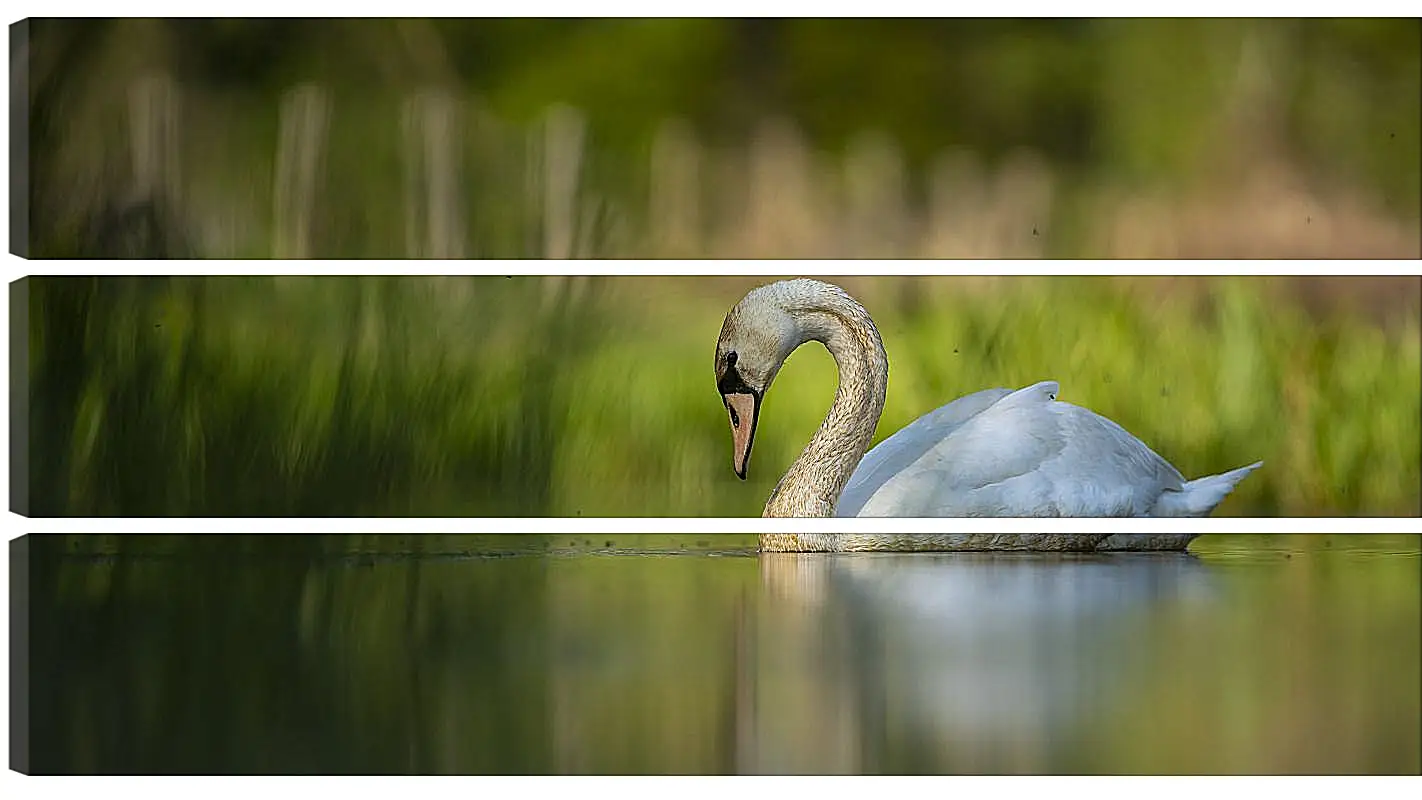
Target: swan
{"x":993,"y":453}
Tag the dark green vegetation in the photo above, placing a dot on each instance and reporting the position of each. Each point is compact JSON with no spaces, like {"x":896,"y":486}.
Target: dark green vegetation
{"x":397,"y":654}
{"x":489,"y":396}
{"x":744,"y":138}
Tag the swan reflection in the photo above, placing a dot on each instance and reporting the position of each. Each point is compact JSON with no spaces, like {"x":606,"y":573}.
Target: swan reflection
{"x":983,"y":661}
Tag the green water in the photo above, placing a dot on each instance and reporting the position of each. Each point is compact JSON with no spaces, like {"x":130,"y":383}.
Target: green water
{"x":691,"y":654}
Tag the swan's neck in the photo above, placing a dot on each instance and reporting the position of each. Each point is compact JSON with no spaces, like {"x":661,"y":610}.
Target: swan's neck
{"x":812,"y":485}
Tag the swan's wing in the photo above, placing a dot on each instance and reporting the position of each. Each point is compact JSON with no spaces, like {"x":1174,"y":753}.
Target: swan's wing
{"x":909,"y":444}
{"x":1028,"y":455}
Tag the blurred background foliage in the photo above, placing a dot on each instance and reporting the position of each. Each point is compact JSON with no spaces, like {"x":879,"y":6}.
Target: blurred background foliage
{"x":580,"y":396}
{"x":743,"y":138}
{"x":412,"y":654}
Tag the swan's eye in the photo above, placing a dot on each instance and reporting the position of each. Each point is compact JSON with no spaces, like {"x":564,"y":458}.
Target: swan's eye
{"x":735,"y":418}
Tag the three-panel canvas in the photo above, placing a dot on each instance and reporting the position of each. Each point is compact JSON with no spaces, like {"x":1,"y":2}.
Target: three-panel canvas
{"x":700,"y":396}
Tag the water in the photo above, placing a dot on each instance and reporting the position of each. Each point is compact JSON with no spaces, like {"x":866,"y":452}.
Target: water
{"x":668,"y":654}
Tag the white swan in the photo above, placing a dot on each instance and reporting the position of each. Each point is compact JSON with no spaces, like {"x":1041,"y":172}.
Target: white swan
{"x":993,"y":453}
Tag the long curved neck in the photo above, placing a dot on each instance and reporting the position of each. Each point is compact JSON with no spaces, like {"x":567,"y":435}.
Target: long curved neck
{"x":812,"y":485}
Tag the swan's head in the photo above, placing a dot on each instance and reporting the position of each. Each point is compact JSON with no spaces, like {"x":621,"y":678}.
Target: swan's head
{"x":756,"y":338}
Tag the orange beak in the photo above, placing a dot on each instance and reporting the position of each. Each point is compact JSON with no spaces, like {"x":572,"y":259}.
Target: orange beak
{"x":744,"y":409}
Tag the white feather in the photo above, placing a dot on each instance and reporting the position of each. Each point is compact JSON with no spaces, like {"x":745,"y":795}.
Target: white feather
{"x":1023,"y":454}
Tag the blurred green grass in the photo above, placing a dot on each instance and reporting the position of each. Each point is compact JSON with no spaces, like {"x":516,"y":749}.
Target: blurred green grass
{"x":577,"y":396}
{"x":724,"y":138}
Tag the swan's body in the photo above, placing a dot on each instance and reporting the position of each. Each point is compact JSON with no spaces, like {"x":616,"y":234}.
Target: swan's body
{"x":992,"y":453}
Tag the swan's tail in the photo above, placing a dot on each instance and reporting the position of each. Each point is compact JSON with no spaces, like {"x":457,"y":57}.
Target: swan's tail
{"x":1200,"y":496}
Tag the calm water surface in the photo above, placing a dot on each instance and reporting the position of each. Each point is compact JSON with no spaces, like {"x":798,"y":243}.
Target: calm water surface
{"x":674,"y":654}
